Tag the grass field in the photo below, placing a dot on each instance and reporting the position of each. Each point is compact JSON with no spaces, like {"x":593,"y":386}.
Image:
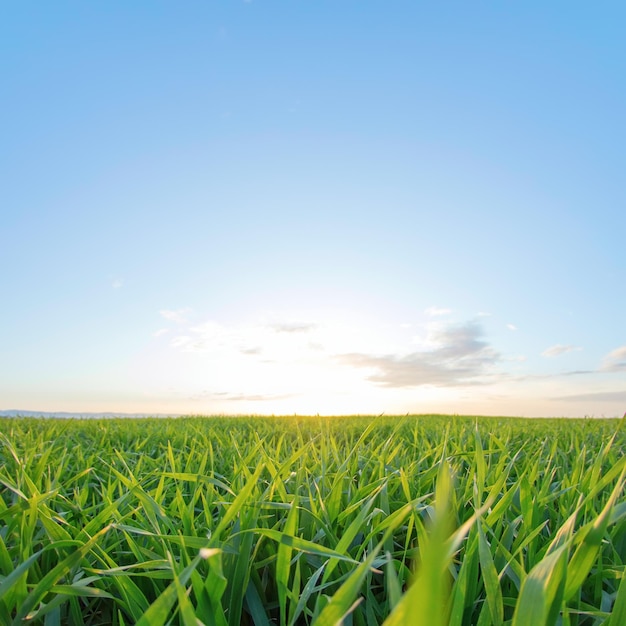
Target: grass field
{"x":427,"y":520}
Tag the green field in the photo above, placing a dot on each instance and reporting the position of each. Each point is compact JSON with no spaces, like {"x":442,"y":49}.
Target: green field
{"x":426,"y":520}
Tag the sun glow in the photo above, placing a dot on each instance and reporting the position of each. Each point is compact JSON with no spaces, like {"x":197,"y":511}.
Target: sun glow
{"x":312,"y":363}
{"x":278,"y":365}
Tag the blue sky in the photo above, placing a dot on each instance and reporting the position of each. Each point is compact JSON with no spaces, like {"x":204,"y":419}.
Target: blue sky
{"x":279,"y":207}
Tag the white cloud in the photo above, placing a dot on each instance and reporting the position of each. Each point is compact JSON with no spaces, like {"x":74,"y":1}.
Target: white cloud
{"x":177,"y":315}
{"x":511,"y":326}
{"x":182,"y":341}
{"x":597,"y":396}
{"x":286,"y":341}
{"x":520,"y":358}
{"x":160,"y":332}
{"x":292,"y":327}
{"x":559,"y":349}
{"x":615,"y":361}
{"x":117,"y":283}
{"x":251,"y":351}
{"x":435,"y":311}
{"x":227,"y":396}
{"x":461,"y":357}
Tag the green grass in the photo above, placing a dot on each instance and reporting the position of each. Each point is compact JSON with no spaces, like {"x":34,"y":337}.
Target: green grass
{"x":434,"y":520}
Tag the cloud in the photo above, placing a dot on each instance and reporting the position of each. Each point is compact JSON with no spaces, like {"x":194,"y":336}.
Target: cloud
{"x":227,"y":396}
{"x":534,"y":377}
{"x":293,"y":327}
{"x":599,"y":396}
{"x":251,"y":351}
{"x":284,"y":341}
{"x":161,"y":331}
{"x":520,"y":358}
{"x":559,"y":349}
{"x":460,"y":357}
{"x":615,"y":361}
{"x":182,"y":341}
{"x":434,"y":311}
{"x":511,"y":326}
{"x":178,"y":315}
{"x":117,"y":283}
{"x":212,"y":337}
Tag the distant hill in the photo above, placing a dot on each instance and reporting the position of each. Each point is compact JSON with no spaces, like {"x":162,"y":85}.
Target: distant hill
{"x":67,"y":415}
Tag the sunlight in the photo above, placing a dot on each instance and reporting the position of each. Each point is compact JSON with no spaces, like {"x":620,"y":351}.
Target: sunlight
{"x":270,"y":367}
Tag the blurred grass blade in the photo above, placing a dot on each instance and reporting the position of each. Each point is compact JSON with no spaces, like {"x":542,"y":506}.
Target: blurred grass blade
{"x":424,"y":604}
{"x":592,"y":535}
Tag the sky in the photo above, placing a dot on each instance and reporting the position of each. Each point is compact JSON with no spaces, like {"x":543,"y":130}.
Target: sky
{"x":264,"y":207}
